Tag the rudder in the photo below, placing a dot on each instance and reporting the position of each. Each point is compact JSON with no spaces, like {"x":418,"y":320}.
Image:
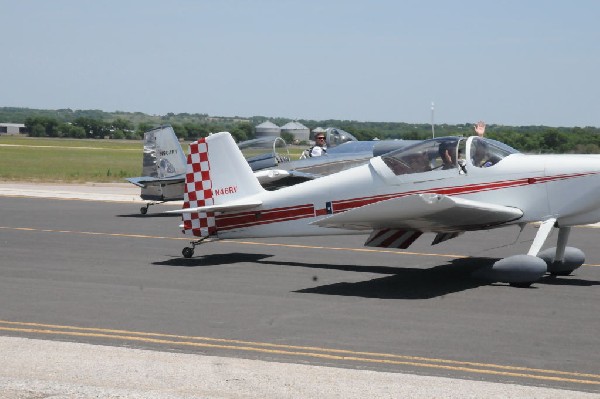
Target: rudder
{"x":217,"y":173}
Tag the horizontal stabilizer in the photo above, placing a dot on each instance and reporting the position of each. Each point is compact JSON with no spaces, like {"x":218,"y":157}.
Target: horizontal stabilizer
{"x":425,"y":213}
{"x":144,"y":181}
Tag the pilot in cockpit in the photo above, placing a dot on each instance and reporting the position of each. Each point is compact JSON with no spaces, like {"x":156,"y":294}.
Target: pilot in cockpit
{"x":481,"y":156}
{"x":447,"y":151}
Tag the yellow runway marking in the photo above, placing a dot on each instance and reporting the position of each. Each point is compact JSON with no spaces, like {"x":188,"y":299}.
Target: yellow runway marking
{"x":301,"y":351}
{"x":265,"y":244}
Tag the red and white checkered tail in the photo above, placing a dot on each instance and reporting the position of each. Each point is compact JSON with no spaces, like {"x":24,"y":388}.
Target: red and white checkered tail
{"x":198,"y":192}
{"x":217,"y":173}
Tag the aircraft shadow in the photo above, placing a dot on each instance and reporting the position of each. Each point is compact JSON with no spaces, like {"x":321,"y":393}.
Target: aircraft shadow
{"x":568,"y":280}
{"x":404,"y":283}
{"x":213,"y":260}
{"x":398,"y":282}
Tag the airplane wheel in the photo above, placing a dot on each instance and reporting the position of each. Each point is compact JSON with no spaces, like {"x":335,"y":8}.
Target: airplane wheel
{"x":521,"y":285}
{"x":187,"y":252}
{"x":143,"y":210}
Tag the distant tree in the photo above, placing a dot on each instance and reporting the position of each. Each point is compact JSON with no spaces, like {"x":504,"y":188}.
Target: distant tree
{"x":51,"y":126}
{"x":68,"y":130}
{"x":134,"y":135}
{"x":288,"y":137}
{"x":122,"y":124}
{"x":94,"y":128}
{"x":195,"y":130}
{"x":37,"y":130}
{"x":553,"y":141}
{"x":118,"y":134}
{"x":76,"y":132}
{"x":242,"y":131}
{"x":143,"y":127}
{"x":180,"y":131}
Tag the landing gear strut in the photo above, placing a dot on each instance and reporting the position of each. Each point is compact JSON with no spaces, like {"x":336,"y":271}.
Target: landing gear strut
{"x":188,"y":252}
{"x":562,"y":260}
{"x":144,"y":209}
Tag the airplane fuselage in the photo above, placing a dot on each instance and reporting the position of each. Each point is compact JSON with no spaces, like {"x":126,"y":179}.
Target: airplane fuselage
{"x":542,"y":186}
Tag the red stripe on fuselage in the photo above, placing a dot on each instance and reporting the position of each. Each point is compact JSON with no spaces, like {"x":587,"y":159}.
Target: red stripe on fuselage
{"x":230,"y":221}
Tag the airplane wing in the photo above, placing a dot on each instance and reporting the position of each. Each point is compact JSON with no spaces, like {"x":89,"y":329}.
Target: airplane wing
{"x":144,"y":181}
{"x":423,"y":213}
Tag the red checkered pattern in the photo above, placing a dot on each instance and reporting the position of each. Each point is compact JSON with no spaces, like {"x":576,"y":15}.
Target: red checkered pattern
{"x":198,"y":192}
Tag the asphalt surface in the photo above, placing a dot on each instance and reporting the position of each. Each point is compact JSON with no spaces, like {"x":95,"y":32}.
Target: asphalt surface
{"x":100,"y":273}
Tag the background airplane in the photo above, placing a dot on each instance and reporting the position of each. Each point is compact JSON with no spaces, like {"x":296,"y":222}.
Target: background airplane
{"x":401,"y":195}
{"x":276,"y":169}
{"x":164,"y":162}
{"x":163,"y":168}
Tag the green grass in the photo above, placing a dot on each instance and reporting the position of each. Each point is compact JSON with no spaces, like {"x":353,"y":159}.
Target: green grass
{"x":63,"y":160}
{"x":75,"y":161}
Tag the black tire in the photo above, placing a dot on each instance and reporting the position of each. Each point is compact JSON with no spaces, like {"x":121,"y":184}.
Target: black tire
{"x":187,"y":252}
{"x":143,"y":210}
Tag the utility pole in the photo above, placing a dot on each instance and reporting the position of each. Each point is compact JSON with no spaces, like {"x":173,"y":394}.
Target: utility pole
{"x":432,"y":122}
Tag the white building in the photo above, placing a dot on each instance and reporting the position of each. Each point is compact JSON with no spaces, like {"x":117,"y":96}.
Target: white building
{"x":12,"y":128}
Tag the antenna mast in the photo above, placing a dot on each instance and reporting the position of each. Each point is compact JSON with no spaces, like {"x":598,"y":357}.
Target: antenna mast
{"x":432,"y":123}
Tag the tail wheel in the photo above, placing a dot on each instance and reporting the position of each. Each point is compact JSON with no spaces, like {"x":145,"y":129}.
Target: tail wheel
{"x":187,"y":252}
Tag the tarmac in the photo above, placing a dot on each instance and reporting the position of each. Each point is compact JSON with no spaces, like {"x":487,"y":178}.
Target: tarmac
{"x":35,"y":369}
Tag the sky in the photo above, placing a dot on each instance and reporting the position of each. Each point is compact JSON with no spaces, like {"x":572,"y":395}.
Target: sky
{"x":510,"y":62}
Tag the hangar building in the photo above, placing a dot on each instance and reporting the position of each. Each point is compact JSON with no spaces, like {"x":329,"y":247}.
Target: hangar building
{"x":267,"y":129}
{"x":12,"y":128}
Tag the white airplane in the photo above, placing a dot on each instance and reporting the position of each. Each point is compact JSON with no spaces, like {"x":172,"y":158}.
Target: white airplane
{"x":401,"y":195}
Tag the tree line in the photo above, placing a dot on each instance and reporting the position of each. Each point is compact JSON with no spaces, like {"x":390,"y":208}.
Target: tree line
{"x":98,"y":124}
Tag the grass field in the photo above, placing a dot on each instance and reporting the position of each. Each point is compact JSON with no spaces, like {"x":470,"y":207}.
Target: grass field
{"x":63,"y":160}
{"x":73,"y":161}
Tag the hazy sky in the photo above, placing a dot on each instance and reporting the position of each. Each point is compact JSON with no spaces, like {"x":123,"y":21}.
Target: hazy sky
{"x":521,"y":62}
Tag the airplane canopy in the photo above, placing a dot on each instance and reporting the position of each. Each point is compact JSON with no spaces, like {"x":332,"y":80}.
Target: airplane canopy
{"x":445,"y":153}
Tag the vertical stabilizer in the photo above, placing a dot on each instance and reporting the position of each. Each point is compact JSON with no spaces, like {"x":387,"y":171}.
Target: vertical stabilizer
{"x":163,"y":167}
{"x":163,"y":156}
{"x":217,"y":173}
{"x":170,"y":159}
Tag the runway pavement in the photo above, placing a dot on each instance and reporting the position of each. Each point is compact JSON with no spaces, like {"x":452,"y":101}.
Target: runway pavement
{"x":97,"y":272}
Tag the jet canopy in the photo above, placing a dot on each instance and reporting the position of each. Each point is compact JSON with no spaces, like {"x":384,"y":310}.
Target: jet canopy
{"x":335,"y":137}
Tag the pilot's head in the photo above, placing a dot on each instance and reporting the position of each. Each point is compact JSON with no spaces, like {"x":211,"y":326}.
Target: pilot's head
{"x":481,"y":149}
{"x":320,"y":139}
